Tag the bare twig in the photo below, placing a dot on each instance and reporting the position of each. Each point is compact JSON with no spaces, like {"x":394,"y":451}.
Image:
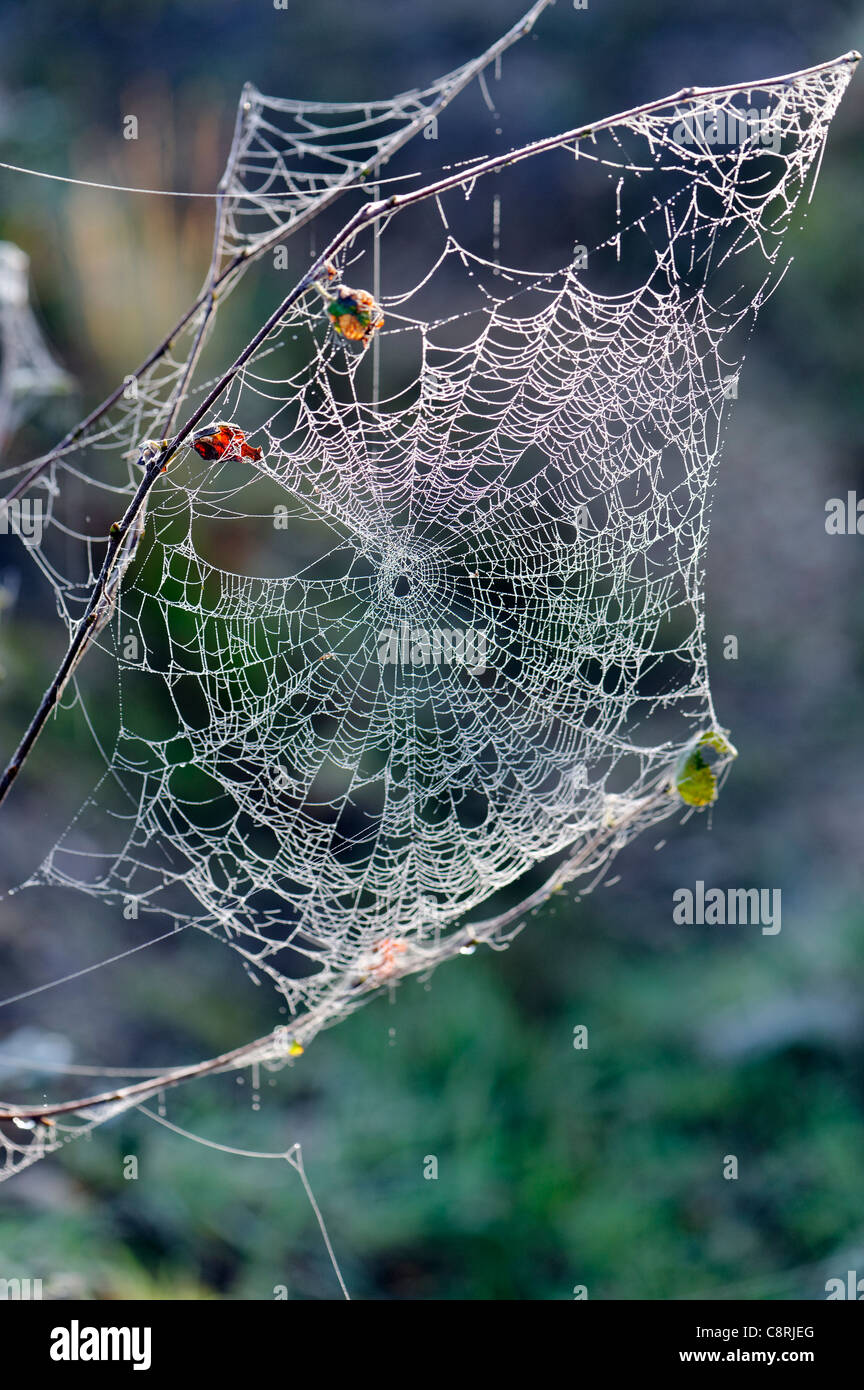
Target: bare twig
{"x":224,"y":1062}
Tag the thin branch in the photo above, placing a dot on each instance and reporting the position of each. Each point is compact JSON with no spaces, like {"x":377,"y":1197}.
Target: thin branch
{"x":84,"y":633}
{"x":154,"y":464}
{"x":225,"y":1061}
{"x":553,"y":142}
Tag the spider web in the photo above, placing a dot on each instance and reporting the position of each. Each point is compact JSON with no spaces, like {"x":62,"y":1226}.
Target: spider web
{"x":480,"y":652}
{"x":290,"y":157}
{"x":28,"y":370}
{"x":289,"y":161}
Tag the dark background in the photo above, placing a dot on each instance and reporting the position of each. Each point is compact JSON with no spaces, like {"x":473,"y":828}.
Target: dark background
{"x":556,"y":1167}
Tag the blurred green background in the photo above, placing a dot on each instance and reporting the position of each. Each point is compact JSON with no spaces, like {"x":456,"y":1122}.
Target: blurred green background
{"x":556,"y":1167}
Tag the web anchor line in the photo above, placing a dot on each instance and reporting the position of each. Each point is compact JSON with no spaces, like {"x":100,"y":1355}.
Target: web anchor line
{"x":293,"y":1156}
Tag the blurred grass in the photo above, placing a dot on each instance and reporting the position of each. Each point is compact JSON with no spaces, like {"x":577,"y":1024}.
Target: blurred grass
{"x":555,"y":1166}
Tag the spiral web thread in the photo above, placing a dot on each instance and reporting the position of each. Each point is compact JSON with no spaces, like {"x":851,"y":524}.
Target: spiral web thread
{"x":325,"y":794}
{"x":290,"y":156}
